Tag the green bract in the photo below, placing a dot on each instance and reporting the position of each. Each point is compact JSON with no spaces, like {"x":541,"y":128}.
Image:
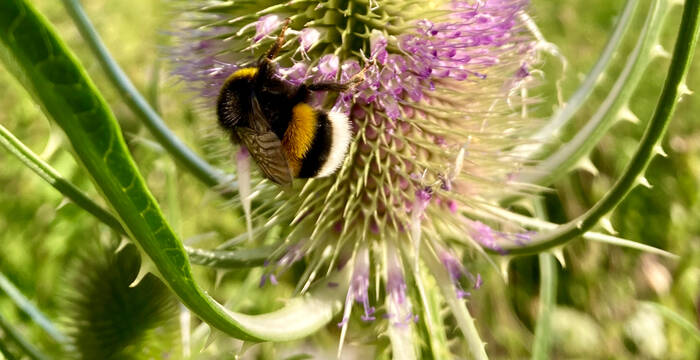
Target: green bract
{"x":33,"y":52}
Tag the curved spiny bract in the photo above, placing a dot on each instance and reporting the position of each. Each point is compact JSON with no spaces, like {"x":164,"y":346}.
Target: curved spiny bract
{"x":32,"y":51}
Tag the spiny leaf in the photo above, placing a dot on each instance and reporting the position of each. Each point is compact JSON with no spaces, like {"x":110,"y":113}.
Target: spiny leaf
{"x":109,"y":319}
{"x":213,"y":258}
{"x":613,"y":108}
{"x":34,"y":54}
{"x":564,"y":114}
{"x":655,"y":130}
{"x":160,"y":131}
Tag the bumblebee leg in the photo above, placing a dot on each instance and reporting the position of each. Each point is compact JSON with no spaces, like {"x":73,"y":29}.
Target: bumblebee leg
{"x":328,"y":86}
{"x":355,"y":80}
{"x":304,"y":91}
{"x":277,"y":45}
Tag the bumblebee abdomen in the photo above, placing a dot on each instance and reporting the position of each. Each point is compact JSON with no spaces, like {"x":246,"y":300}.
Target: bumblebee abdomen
{"x":315,"y":142}
{"x":299,"y":136}
{"x":316,"y":157}
{"x":311,"y":142}
{"x":341,"y":134}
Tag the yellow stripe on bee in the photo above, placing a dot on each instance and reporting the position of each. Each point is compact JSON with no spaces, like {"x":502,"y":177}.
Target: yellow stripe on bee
{"x":299,"y":136}
{"x":243,"y":73}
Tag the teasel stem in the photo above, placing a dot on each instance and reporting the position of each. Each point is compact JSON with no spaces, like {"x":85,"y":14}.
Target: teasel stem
{"x":674,"y":87}
{"x":30,"y":310}
{"x":538,"y":224}
{"x":542,"y":344}
{"x":51,"y":176}
{"x":212,"y":258}
{"x":565,"y":113}
{"x":456,"y":304}
{"x":573,"y":151}
{"x":184,"y":156}
{"x":548,"y":287}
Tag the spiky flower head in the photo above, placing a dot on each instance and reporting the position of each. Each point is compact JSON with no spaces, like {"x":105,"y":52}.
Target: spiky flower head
{"x":434,"y":122}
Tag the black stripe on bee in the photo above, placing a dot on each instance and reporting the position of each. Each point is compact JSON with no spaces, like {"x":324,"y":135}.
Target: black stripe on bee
{"x":317,"y":155}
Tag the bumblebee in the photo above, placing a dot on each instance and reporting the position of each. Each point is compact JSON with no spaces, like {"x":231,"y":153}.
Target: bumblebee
{"x":285,"y":135}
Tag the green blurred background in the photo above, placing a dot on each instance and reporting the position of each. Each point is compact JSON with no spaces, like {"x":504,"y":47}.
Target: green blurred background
{"x":598,"y":314}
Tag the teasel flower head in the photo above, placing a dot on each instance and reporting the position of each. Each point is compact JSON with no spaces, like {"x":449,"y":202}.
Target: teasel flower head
{"x":433,"y":122}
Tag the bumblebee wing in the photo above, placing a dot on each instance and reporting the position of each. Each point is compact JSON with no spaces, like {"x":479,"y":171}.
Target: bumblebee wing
{"x":258,"y":120}
{"x":266,"y":150}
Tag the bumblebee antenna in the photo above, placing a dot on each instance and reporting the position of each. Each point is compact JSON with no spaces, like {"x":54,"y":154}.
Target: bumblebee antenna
{"x":277,"y":45}
{"x":265,"y":66}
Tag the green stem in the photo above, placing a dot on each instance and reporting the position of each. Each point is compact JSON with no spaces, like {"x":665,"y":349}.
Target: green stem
{"x":458,"y":306}
{"x":32,"y":311}
{"x":213,"y":258}
{"x":201,"y":169}
{"x":51,"y":176}
{"x":227,"y":259}
{"x":20,"y":341}
{"x":588,"y":235}
{"x":548,"y":291}
{"x":548,"y":297}
{"x":32,"y":51}
{"x":434,"y":325}
{"x":656,"y":128}
{"x":570,"y":154}
{"x":565,"y":113}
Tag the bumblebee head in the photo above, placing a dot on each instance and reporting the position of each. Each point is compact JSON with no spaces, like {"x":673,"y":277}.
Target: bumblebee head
{"x":233,"y":102}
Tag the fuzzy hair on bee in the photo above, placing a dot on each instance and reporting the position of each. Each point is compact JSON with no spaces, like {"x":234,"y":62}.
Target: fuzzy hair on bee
{"x":272,"y":118}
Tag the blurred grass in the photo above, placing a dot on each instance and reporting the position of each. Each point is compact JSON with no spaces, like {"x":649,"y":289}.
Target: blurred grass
{"x":598,"y":290}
